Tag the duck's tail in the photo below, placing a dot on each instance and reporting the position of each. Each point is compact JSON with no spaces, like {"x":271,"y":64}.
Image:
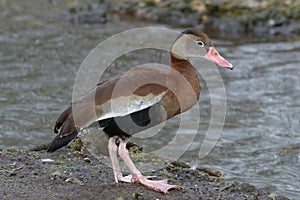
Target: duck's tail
{"x":65,"y":130}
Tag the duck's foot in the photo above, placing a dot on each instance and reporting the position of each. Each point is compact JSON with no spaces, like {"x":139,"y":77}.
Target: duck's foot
{"x":129,"y":179}
{"x":157,"y":185}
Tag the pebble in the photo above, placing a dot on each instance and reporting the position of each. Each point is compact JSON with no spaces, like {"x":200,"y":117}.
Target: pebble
{"x":48,"y":160}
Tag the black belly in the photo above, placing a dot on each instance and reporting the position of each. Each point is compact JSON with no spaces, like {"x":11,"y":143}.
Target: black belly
{"x":125,"y":126}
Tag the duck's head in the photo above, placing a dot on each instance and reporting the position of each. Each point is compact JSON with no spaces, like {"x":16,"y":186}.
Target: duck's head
{"x":194,"y":43}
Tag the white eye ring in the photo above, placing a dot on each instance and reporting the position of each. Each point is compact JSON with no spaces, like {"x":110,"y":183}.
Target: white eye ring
{"x":200,"y":43}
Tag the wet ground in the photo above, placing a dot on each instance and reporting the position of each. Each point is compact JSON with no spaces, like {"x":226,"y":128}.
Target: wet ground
{"x":73,"y":174}
{"x":41,"y":52}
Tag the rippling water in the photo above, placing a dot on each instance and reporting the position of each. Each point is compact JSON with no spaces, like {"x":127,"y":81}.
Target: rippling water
{"x":41,"y":53}
{"x":264,"y":107}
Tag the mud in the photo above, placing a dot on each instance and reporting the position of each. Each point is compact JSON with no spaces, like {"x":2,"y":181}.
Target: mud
{"x":73,"y":173}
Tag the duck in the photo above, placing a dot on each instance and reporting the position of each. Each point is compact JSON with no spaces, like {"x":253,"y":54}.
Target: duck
{"x":138,"y":99}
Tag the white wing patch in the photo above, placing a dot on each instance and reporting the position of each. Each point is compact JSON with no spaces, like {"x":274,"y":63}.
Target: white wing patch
{"x":123,"y":106}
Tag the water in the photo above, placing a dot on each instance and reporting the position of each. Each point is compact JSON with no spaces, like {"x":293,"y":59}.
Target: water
{"x":41,"y":53}
{"x":263,"y":106}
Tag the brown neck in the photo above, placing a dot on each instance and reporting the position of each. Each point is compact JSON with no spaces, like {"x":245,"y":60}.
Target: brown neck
{"x":188,"y":71}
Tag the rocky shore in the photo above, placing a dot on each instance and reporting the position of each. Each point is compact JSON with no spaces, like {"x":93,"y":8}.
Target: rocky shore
{"x":73,"y":173}
{"x":229,"y":17}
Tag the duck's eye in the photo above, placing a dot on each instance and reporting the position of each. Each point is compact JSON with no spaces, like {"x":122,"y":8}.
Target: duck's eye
{"x":200,"y":43}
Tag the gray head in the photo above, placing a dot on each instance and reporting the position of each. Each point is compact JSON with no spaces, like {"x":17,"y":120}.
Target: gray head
{"x":195,"y":43}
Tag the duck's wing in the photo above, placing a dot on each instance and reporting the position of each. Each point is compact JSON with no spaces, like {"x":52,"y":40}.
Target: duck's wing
{"x":130,"y":92}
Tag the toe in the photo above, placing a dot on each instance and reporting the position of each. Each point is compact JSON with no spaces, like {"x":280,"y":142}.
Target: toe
{"x":126,"y":179}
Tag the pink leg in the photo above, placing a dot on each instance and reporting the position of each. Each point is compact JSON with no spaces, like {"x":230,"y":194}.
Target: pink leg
{"x":161,"y":185}
{"x":112,"y":150}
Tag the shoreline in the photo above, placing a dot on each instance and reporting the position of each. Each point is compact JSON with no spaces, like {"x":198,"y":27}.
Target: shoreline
{"x":73,"y":173}
{"x":229,"y":18}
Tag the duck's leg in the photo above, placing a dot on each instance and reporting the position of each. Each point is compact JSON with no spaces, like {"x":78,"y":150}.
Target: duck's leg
{"x":136,"y":176}
{"x":112,"y":150}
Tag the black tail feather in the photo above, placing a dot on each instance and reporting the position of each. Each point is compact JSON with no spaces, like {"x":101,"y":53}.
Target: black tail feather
{"x":58,"y":142}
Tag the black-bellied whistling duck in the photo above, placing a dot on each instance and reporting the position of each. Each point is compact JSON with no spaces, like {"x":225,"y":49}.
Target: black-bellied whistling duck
{"x":144,"y":97}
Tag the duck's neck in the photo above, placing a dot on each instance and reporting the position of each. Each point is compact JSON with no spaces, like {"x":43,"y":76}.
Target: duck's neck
{"x":185,"y":68}
{"x":180,"y":65}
